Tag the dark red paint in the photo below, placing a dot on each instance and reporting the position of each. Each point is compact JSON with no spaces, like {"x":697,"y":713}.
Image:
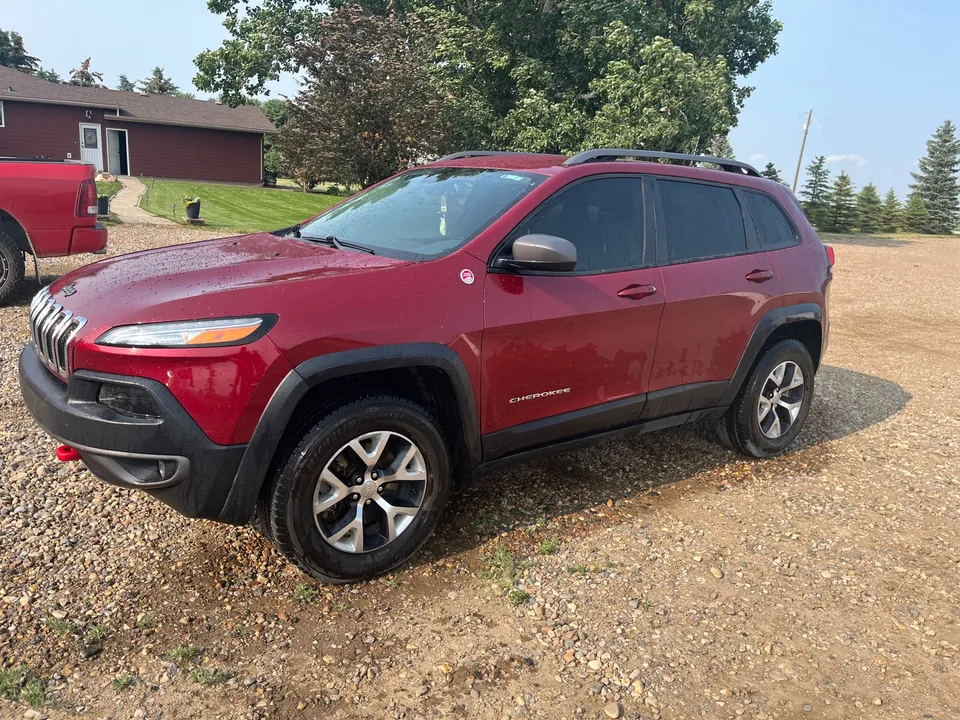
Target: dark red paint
{"x":166,"y":151}
{"x":46,"y":201}
{"x":603,"y":336}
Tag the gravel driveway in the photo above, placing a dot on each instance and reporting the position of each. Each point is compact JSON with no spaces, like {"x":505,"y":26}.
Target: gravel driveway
{"x":659,"y":577}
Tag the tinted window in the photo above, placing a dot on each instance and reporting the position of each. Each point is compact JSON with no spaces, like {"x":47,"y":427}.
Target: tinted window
{"x":774,"y":228}
{"x":424,"y":213}
{"x":603,"y":218}
{"x":700,"y":221}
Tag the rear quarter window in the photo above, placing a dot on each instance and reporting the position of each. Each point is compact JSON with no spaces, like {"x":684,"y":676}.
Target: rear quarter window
{"x":774,"y":228}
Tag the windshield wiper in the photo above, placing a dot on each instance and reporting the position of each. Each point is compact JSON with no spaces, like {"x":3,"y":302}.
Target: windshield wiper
{"x":334,"y":241}
{"x":292,"y":231}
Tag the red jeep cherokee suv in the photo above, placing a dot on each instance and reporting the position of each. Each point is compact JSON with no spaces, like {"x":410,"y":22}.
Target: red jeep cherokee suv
{"x":337,"y":378}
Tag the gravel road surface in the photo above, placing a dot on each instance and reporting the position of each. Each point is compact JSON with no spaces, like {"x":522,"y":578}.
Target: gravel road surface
{"x":658,"y":577}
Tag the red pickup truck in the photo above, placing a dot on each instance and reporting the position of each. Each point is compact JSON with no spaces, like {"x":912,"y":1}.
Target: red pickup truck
{"x":47,"y":209}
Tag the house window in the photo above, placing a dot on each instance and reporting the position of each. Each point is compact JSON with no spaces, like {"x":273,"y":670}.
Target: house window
{"x":1,"y":114}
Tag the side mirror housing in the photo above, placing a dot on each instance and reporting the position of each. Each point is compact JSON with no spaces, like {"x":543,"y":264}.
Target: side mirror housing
{"x":541,"y":253}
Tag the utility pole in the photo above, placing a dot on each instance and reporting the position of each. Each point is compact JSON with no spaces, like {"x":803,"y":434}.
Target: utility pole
{"x":806,"y":131}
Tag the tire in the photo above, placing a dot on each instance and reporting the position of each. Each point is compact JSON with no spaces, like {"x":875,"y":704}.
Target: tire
{"x":11,"y":268}
{"x":286,"y":508}
{"x":742,"y":428}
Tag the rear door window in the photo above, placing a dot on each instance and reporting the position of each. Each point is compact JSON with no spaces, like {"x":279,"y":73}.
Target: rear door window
{"x":700,"y":221}
{"x":774,"y":228}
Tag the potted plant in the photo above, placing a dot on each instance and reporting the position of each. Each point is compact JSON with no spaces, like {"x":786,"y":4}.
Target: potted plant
{"x":193,"y":207}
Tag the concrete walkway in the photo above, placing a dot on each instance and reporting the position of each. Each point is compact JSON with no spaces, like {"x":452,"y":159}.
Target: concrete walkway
{"x":126,"y":204}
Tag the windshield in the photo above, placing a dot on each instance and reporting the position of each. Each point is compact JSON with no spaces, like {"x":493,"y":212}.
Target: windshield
{"x":423,"y":214}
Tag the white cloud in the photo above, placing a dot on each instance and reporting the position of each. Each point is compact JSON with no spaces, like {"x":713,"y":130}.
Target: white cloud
{"x":756,"y":158}
{"x":847,"y":159}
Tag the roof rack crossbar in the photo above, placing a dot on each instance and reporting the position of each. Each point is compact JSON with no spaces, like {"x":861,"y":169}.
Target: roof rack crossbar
{"x":734,"y":166}
{"x":478,"y":153}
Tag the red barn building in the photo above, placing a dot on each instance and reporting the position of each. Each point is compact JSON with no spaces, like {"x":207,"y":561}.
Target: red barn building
{"x":130,"y":133}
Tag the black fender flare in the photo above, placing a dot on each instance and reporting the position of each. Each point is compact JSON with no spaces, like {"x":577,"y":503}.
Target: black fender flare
{"x":776,"y":318}
{"x":269,"y":431}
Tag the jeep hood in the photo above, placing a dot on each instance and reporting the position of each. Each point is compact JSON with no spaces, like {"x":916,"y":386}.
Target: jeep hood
{"x":191,"y":281}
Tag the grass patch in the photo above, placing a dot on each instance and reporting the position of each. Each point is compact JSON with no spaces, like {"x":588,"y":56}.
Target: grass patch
{"x":234,"y":207}
{"x":209,"y":676}
{"x":581,"y":569}
{"x":486,"y":522}
{"x":144,"y":622}
{"x":304,"y":592}
{"x":33,"y":691}
{"x":108,"y":188}
{"x":517,"y":597}
{"x":60,"y":627}
{"x":549,"y":546}
{"x":95,"y":635}
{"x":504,"y":569}
{"x":124,"y":683}
{"x":182,"y":654}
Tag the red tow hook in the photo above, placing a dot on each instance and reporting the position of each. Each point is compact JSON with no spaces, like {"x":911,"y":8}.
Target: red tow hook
{"x":65,"y":453}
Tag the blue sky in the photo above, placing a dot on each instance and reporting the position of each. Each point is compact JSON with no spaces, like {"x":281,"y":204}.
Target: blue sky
{"x":880,"y":75}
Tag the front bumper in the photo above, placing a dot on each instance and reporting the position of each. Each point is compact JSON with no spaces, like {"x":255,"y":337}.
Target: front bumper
{"x":168,"y":456}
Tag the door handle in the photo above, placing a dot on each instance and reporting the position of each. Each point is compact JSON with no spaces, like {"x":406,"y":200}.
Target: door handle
{"x":636,"y":292}
{"x":759,"y":276}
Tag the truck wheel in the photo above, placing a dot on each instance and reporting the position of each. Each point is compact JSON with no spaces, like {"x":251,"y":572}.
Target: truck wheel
{"x":360,"y":491}
{"x":771,"y":408}
{"x":11,"y":267}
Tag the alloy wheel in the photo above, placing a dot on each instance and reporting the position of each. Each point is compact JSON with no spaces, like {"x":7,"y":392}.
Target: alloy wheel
{"x":370,"y":491}
{"x":780,"y":401}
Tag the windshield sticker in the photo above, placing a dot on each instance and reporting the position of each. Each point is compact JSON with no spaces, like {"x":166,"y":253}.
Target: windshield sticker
{"x":467,"y":276}
{"x":518,"y":178}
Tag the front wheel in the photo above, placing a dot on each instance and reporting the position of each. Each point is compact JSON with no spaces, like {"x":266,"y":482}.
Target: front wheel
{"x":769,"y":412}
{"x":360,"y":492}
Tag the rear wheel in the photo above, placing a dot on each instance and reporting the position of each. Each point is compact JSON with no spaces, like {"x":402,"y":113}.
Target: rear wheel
{"x":11,"y":267}
{"x":770,"y":411}
{"x":360,"y":492}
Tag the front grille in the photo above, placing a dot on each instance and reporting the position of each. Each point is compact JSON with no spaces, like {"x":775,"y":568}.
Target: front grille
{"x":52,"y":329}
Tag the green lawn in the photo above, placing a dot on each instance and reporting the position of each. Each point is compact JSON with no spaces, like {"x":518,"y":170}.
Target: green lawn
{"x":234,"y":207}
{"x":108,"y":188}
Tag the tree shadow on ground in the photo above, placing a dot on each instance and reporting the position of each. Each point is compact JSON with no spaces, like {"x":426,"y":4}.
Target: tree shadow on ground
{"x":846,"y":402}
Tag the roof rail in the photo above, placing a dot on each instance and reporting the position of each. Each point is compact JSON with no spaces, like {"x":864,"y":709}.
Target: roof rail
{"x":734,"y":166}
{"x":479,"y":153}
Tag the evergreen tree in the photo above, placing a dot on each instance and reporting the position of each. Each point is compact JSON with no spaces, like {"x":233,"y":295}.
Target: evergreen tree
{"x":14,"y":55}
{"x":869,"y":209}
{"x":816,"y":193}
{"x":159,"y":84}
{"x":126,"y":84}
{"x":721,"y":148}
{"x":85,"y":77}
{"x":49,"y":75}
{"x":771,"y":173}
{"x":915,"y":215}
{"x":937,"y":180}
{"x":843,"y":205}
{"x":891,"y":218}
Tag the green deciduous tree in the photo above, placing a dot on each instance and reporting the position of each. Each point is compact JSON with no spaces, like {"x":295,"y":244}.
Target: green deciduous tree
{"x":85,"y":77}
{"x":126,"y":84}
{"x":915,"y":215}
{"x":14,"y":55}
{"x":367,"y":106}
{"x":869,"y":209}
{"x":771,"y":173}
{"x":816,"y":194}
{"x":538,"y":75}
{"x":891,"y":219}
{"x":937,"y":180}
{"x":843,"y":205}
{"x":276,"y":111}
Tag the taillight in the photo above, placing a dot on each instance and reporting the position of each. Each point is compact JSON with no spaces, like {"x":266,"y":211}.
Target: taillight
{"x":87,"y":200}
{"x":831,"y":258}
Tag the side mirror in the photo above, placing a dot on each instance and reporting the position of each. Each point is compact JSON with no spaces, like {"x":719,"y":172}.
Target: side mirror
{"x":543,"y":253}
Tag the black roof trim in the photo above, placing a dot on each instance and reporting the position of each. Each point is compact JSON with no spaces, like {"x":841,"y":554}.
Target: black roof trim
{"x":606,"y":154}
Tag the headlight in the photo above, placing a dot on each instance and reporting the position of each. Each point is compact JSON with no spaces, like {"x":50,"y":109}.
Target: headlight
{"x":191,"y":333}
